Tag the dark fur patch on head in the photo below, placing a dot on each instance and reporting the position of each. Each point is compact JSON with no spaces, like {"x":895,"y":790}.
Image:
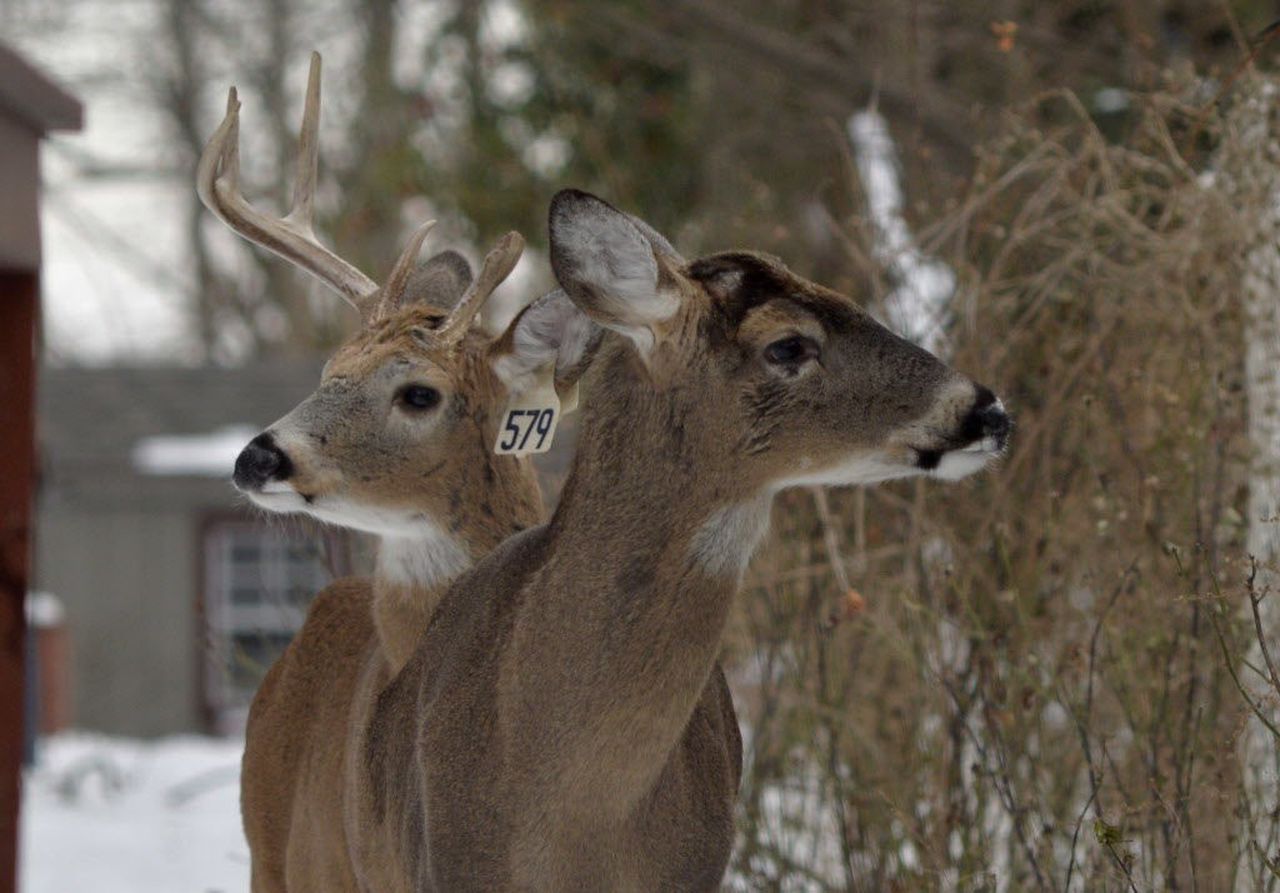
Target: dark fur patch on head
{"x":741,"y":280}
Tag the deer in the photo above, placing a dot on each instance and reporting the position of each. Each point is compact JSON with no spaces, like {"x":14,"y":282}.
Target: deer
{"x":396,"y":442}
{"x":561,"y":724}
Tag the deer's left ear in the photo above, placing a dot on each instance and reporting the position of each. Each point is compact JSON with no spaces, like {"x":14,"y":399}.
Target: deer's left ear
{"x":551,"y":330}
{"x":609,"y":263}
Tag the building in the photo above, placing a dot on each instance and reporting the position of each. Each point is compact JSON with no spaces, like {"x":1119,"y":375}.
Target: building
{"x":177,"y":593}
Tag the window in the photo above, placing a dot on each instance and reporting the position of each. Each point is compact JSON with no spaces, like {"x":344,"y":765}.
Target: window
{"x":259,"y":579}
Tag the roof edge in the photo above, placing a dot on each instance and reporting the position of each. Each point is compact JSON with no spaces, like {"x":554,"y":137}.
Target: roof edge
{"x":31,"y":97}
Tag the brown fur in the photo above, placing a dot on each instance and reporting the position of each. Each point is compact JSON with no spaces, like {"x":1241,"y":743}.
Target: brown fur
{"x":304,"y":767}
{"x":291,"y":745}
{"x":564,"y":724}
{"x":340,"y":449}
{"x":358,"y":630}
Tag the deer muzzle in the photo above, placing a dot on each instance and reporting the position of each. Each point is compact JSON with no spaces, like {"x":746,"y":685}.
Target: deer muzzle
{"x":987,"y":423}
{"x":261,"y":463}
{"x":981,"y":433}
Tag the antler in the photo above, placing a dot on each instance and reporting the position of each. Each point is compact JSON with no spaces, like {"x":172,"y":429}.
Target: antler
{"x":393,"y":291}
{"x":497,"y":266}
{"x":291,"y":236}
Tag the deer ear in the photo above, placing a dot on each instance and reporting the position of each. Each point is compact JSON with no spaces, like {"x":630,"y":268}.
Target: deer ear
{"x":440,"y":281}
{"x":609,"y":266}
{"x":550,"y":330}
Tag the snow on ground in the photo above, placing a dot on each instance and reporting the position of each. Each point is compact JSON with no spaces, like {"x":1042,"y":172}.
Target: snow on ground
{"x":114,"y":815}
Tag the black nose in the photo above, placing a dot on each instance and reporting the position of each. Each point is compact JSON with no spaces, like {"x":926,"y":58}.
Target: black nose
{"x":986,"y":419}
{"x":259,"y":462}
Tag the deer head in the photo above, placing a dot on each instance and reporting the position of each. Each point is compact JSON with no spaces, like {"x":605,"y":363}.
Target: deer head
{"x":396,"y":440}
{"x":776,"y":381}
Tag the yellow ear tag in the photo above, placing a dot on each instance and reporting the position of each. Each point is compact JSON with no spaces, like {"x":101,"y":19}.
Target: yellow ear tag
{"x":528,"y":423}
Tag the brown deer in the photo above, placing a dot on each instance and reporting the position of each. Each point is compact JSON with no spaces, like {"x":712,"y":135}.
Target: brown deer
{"x":397,"y":441}
{"x":561,"y":725}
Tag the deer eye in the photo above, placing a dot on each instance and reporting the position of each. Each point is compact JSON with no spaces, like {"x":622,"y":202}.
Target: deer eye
{"x":791,"y":351}
{"x":418,"y":397}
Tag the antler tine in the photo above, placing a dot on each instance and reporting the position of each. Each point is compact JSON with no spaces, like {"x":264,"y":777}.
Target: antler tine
{"x":497,"y":266}
{"x":218,"y":184}
{"x":221,"y":152}
{"x":304,"y":184}
{"x":393,"y":290}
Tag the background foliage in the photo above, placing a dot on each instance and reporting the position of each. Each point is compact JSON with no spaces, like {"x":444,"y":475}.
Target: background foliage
{"x":1030,"y":681}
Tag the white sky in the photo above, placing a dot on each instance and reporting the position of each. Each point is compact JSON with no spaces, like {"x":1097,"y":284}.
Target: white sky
{"x":114,"y":278}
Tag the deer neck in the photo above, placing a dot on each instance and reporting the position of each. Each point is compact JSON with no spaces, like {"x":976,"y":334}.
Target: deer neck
{"x":667,"y":536}
{"x":413,"y":571}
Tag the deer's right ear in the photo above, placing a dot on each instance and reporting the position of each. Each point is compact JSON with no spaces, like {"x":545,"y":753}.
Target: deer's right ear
{"x":550,"y":330}
{"x":609,"y":266}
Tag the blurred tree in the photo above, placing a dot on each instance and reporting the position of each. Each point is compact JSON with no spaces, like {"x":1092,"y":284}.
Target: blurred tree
{"x":546,"y":107}
{"x":501,"y":109}
{"x":721,"y":123}
{"x":1035,"y":658}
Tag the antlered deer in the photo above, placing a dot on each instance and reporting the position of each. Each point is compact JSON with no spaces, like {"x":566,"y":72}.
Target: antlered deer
{"x":397,"y":441}
{"x":561,"y":725}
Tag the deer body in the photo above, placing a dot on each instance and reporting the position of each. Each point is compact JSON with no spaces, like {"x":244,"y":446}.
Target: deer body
{"x":563,"y":724}
{"x":316,"y":803}
{"x":556,"y":719}
{"x":396,"y":442}
{"x":359,"y":632}
{"x":560,"y":800}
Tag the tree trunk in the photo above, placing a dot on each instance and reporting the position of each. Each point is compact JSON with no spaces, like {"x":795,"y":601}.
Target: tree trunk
{"x":1251,"y":169}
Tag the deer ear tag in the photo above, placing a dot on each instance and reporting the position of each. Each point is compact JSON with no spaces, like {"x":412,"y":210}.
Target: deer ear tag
{"x":528,"y":422}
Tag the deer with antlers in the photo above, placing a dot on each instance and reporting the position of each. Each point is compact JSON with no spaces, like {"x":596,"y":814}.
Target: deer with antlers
{"x":398,"y":442}
{"x":561,"y":725}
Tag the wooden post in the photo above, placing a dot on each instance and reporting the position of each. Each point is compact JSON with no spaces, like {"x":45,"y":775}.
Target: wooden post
{"x":18,"y":308}
{"x":30,"y":107}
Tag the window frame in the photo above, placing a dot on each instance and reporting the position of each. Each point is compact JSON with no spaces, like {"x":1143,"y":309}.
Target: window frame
{"x":225,"y":701}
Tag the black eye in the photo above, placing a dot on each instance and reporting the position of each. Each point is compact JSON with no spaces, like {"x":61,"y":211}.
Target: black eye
{"x":419,"y":397}
{"x":791,"y":351}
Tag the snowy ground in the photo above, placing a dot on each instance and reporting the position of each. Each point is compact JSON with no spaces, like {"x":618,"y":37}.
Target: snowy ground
{"x":112,"y":815}
{"x":115,"y":815}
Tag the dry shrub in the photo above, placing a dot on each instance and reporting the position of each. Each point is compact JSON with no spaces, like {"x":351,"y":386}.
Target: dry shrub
{"x":1034,"y":696}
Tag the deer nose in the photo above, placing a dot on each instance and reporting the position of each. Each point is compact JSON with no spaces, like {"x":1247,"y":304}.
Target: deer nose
{"x":987,"y":419}
{"x":261,"y":461}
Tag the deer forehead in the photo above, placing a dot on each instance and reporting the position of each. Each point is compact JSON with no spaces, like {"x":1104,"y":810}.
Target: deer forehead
{"x":779,"y":316}
{"x":405,"y":345}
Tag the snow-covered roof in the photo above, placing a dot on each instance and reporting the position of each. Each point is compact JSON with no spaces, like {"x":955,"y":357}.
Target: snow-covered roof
{"x":201,"y":455}
{"x":29,"y":96}
{"x":149,"y":421}
{"x":45,"y":610}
